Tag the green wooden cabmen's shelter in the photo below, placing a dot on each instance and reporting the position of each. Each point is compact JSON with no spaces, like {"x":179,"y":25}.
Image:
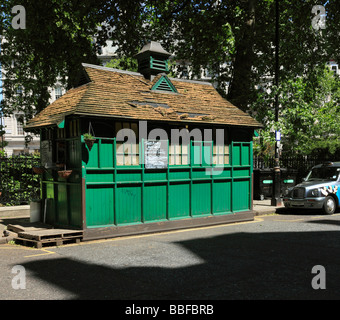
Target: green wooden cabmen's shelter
{"x":168,"y":153}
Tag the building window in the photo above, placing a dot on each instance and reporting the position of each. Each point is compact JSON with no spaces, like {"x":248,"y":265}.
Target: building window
{"x":335,"y":69}
{"x":127,"y":145}
{"x":20,"y":124}
{"x":58,"y":92}
{"x":221,"y":147}
{"x":19,"y":91}
{"x":178,"y":154}
{"x":221,"y":154}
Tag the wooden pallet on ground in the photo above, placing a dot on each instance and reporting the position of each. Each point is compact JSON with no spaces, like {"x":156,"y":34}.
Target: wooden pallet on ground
{"x":24,"y":227}
{"x":49,"y":237}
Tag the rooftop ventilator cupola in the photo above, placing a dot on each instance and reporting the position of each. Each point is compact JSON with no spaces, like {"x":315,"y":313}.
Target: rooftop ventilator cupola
{"x":152,"y":60}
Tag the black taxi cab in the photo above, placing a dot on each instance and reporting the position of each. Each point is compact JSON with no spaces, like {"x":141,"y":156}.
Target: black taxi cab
{"x":319,"y":190}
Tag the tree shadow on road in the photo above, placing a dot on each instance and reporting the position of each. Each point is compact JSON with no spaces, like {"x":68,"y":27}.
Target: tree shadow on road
{"x":271,"y":265}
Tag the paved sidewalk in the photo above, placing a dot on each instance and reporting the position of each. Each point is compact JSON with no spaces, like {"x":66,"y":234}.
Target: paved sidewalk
{"x":264,"y":207}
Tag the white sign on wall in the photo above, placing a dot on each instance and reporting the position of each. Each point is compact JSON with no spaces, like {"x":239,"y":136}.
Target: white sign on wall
{"x":156,"y":154}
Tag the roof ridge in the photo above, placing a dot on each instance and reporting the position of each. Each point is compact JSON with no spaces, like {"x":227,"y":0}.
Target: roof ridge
{"x":94,"y":66}
{"x":192,"y":81}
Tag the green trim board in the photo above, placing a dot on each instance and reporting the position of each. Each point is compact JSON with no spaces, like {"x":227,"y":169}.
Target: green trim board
{"x":61,"y":124}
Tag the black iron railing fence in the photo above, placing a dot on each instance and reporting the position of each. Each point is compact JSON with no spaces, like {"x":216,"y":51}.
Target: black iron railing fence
{"x":302,"y":164}
{"x":18,"y":183}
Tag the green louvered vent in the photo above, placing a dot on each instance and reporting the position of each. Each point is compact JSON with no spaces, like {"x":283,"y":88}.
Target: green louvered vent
{"x":164,"y":84}
{"x":159,"y":64}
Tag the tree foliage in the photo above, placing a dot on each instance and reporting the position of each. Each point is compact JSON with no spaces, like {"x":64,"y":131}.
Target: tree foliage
{"x":233,"y":39}
{"x":18,"y":183}
{"x":309,"y":113}
{"x":56,"y":38}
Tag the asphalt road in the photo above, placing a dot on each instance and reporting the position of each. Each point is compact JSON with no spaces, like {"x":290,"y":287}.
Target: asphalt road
{"x":269,"y":258}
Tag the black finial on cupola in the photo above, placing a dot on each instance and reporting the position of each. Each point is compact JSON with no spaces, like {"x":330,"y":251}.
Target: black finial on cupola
{"x":152,"y":60}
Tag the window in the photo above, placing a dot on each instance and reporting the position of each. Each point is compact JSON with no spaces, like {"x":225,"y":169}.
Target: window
{"x":178,"y":154}
{"x":213,"y":151}
{"x":58,"y":92}
{"x":127,"y":145}
{"x":20,"y":127}
{"x":334,"y":69}
{"x":221,"y":154}
{"x":221,"y":147}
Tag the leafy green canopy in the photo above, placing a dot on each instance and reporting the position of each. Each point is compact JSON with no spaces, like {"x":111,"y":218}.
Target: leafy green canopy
{"x":233,"y":39}
{"x":309,"y":113}
{"x":56,"y":39}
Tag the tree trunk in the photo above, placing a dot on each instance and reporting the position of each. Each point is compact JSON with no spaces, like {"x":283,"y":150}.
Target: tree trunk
{"x":240,"y":89}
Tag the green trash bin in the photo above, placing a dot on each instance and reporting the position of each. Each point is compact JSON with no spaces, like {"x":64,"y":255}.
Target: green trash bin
{"x":263,"y":183}
{"x":288,"y":179}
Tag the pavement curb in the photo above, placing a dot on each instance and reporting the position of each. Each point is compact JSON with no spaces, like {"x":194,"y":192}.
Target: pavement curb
{"x":263,"y":213}
{"x":15,"y":212}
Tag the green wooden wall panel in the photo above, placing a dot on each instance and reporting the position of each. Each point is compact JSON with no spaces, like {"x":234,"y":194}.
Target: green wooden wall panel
{"x":226,"y":173}
{"x":142,"y":197}
{"x":99,"y":206}
{"x":128,"y":205}
{"x":201,"y":198}
{"x":179,"y":201}
{"x":200,"y":174}
{"x":106,"y":154}
{"x":50,"y":190}
{"x":62,"y":205}
{"x":241,"y":172}
{"x":75,"y":204}
{"x":245,"y":155}
{"x":241,"y":195}
{"x":154,"y":202}
{"x":100,"y":176}
{"x":236,"y":155}
{"x":221,"y":197}
{"x":154,"y":176}
{"x":128,"y":176}
{"x":93,"y":159}
{"x":241,"y":154}
{"x":179,"y":174}
{"x":50,"y":204}
{"x":74,"y":153}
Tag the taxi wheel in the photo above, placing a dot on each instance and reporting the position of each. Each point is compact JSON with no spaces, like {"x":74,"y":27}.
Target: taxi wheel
{"x":329,"y":205}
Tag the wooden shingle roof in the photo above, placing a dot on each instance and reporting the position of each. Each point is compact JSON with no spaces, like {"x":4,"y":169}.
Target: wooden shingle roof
{"x":123,"y":94}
